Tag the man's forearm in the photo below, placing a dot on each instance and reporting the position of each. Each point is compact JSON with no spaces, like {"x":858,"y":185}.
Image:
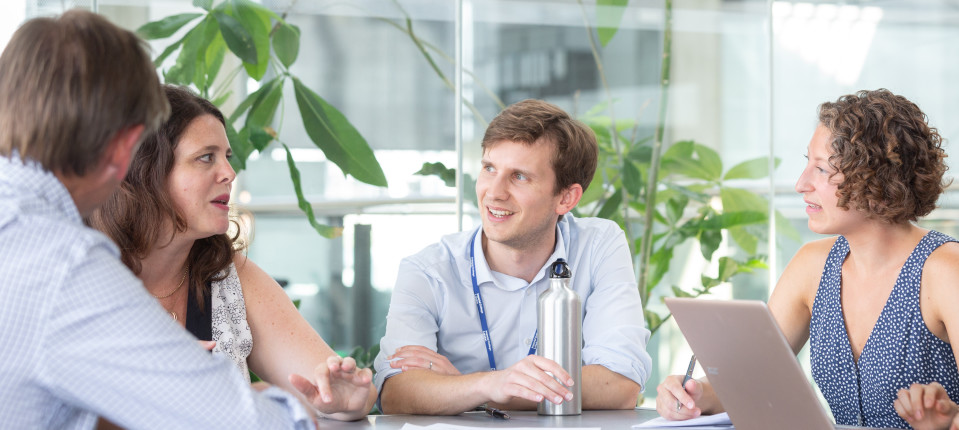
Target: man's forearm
{"x":604,"y":389}
{"x":429,"y":393}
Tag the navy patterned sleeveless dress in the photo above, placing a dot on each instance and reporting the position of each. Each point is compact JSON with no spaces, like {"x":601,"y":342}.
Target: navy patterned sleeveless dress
{"x":900,"y":350}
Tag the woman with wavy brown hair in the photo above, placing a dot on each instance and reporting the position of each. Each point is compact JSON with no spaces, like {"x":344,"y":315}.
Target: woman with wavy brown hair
{"x":878,"y":300}
{"x":170,"y":219}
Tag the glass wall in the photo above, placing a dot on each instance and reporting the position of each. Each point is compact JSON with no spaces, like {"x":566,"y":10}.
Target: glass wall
{"x":745,"y":78}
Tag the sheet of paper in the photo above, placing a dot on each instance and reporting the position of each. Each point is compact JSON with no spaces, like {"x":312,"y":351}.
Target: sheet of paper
{"x":442,"y":426}
{"x":717,"y":421}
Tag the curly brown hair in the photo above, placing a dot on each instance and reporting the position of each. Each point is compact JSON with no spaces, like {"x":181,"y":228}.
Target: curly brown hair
{"x":891,"y":160}
{"x":132,"y":215}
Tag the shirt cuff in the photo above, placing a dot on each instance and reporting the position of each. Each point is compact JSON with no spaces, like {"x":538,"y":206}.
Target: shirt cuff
{"x":302,"y":419}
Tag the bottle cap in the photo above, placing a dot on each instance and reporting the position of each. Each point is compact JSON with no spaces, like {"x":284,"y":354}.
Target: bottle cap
{"x":559,"y":269}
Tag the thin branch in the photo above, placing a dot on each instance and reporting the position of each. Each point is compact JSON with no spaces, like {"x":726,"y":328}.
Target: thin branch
{"x":647,"y":243}
{"x":612,"y":116}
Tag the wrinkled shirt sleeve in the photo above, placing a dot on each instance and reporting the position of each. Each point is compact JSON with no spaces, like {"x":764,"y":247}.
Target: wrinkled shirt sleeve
{"x":412,"y":318}
{"x":614,"y":329}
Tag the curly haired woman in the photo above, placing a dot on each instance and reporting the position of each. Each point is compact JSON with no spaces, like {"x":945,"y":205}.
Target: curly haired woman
{"x":877,"y":300}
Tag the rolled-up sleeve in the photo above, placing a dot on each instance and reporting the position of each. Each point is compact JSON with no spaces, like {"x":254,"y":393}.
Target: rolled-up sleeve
{"x":614,"y":330}
{"x":412,"y":318}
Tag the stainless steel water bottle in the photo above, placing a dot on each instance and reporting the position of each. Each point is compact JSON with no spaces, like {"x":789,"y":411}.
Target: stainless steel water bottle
{"x":560,"y":328}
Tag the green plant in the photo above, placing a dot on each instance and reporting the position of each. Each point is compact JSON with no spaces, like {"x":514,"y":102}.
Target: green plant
{"x":639,"y":177}
{"x":267,"y":47}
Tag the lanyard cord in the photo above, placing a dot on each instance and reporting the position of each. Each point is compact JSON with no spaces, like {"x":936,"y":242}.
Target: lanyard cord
{"x":481,"y":310}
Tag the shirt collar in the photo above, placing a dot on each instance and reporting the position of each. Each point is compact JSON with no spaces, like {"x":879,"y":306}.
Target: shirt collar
{"x":505,"y":282}
{"x":27,"y":176}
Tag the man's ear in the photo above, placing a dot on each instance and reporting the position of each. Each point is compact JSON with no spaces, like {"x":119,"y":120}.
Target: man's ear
{"x":569,"y":198}
{"x":120,"y":151}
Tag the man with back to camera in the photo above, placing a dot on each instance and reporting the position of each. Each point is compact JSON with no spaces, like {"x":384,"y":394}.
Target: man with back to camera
{"x":433,"y":359}
{"x":79,"y":335}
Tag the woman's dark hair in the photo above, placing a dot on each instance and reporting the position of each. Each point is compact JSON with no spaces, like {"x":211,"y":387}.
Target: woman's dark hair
{"x":892,"y":162}
{"x":132,"y":215}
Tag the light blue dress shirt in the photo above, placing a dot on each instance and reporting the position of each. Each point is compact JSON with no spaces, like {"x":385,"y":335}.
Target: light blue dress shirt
{"x":80,"y":336}
{"x":432,"y":303}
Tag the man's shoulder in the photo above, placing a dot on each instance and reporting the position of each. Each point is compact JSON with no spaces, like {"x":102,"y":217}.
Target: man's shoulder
{"x":448,"y":248}
{"x":589,"y":228}
{"x":29,"y":234}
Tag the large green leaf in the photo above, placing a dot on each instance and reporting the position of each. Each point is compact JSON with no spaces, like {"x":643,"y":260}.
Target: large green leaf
{"x":675,"y":208}
{"x":191,"y":62}
{"x":746,"y":240}
{"x":709,"y":241}
{"x":264,"y":108}
{"x":448,"y":175}
{"x":330,"y":131}
{"x":205,"y":4}
{"x":785,"y":228}
{"x":679,"y":292}
{"x":653,"y":320}
{"x":166,"y":27}
{"x":738,"y":199}
{"x":215,"y":53}
{"x":237,"y":38}
{"x":727,"y":268}
{"x":439,"y":170}
{"x":693,"y":160}
{"x":734,"y":219}
{"x":611,"y":206}
{"x":609,"y":13}
{"x":632,"y":179}
{"x":750,"y":169}
{"x":659,"y":265}
{"x":286,"y":44}
{"x":249,"y":100}
{"x":256,"y":19}
{"x":202,"y":77}
{"x":240,"y":144}
{"x":166,"y":52}
{"x":261,"y":137}
{"x":324,"y":230}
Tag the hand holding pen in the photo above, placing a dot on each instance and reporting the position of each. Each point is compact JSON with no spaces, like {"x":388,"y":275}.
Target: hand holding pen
{"x":689,"y":375}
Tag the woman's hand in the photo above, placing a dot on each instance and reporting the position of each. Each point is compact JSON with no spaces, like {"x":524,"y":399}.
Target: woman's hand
{"x":671,"y":393}
{"x":927,"y":407}
{"x":420,"y":357}
{"x":341,"y":389}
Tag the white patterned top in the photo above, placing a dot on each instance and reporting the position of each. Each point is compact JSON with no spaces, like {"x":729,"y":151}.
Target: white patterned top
{"x":228,"y":318}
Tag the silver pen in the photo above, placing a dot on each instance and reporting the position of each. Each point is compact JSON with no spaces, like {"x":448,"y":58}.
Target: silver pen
{"x":689,"y":375}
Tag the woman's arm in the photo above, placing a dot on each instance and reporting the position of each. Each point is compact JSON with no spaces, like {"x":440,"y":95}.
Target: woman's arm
{"x":928,"y":406}
{"x":289,"y":353}
{"x":792,"y":299}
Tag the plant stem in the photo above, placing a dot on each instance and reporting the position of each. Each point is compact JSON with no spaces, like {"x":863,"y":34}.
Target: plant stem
{"x":614,"y":133}
{"x":647,"y":243}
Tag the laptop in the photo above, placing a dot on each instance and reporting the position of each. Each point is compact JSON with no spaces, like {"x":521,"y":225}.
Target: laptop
{"x":750,"y":365}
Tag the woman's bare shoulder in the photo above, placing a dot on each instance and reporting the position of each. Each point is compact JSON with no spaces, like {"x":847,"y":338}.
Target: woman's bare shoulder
{"x":813,"y":254}
{"x":942,"y":267}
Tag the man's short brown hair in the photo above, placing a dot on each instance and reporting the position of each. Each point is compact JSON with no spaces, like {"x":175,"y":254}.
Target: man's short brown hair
{"x":68,"y":85}
{"x":892,"y":162}
{"x":528,"y":121}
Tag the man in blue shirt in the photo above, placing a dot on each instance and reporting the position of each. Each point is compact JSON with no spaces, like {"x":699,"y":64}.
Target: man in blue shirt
{"x":79,"y":335}
{"x":434,"y":358}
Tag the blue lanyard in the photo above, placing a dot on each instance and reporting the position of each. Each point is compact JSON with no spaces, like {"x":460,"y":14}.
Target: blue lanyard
{"x":481,"y":310}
